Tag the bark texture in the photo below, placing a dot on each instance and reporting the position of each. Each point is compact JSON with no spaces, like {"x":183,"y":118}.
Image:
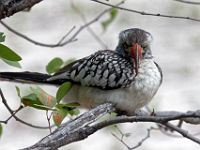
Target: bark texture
{"x":10,"y":7}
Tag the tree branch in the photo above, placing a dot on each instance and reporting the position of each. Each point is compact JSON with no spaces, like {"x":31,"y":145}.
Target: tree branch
{"x":73,"y":130}
{"x":10,"y":7}
{"x":146,"y":13}
{"x":184,"y":133}
{"x":88,"y":123}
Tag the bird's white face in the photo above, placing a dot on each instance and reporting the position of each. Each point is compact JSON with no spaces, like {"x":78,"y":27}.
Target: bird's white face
{"x":135,"y":43}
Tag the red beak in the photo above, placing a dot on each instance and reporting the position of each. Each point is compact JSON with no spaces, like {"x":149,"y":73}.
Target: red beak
{"x":136,"y":54}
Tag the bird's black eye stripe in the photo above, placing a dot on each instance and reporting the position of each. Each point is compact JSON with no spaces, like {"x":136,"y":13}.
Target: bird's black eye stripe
{"x":144,"y":47}
{"x":125,"y":45}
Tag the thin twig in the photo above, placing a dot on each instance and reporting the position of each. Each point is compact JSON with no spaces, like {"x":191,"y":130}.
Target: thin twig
{"x":48,"y":119}
{"x":188,"y":2}
{"x":165,"y":130}
{"x":183,"y":132}
{"x":37,"y":42}
{"x":161,"y":127}
{"x":90,"y":22}
{"x":14,"y":113}
{"x":121,"y":140}
{"x":62,"y":43}
{"x":146,"y":13}
{"x":68,"y":33}
{"x":145,"y":138}
{"x":96,"y":37}
{"x":139,"y":143}
{"x":4,"y":122}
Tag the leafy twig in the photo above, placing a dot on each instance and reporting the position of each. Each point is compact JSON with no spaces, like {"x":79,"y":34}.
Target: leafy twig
{"x":14,"y":112}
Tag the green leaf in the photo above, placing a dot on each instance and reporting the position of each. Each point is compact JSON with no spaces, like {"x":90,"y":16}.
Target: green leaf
{"x":63,"y":90}
{"x":42,"y":107}
{"x":30,"y":100}
{"x":127,"y":134}
{"x":45,"y":98}
{"x":38,"y":99}
{"x":12,"y":63}
{"x":68,"y":105}
{"x":63,"y":110}
{"x":59,"y":115}
{"x":18,"y":91}
{"x":74,"y":112}
{"x":113,"y":15}
{"x":1,"y":130}
{"x":69,"y":108}
{"x":2,"y":37}
{"x":54,"y":65}
{"x":8,"y":54}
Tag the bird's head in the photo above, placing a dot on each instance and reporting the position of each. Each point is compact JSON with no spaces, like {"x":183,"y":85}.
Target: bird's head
{"x":135,"y":43}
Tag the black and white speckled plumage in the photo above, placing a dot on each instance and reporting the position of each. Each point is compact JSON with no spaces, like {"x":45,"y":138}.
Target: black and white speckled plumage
{"x":104,"y":69}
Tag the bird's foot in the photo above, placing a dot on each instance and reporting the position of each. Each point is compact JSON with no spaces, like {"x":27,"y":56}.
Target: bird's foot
{"x":121,"y":113}
{"x":153,"y":113}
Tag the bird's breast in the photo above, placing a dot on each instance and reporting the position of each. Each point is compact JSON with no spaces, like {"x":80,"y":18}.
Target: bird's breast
{"x":146,"y":83}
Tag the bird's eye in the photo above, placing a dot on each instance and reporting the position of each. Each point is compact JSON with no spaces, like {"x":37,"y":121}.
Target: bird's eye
{"x":143,"y":49}
{"x":125,"y":45}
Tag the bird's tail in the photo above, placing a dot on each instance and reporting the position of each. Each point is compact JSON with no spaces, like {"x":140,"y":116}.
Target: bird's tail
{"x":28,"y":77}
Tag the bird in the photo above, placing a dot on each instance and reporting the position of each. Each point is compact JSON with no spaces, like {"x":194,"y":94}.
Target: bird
{"x":128,"y":76}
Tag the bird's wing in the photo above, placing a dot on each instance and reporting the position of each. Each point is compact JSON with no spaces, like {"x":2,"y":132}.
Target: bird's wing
{"x":103,"y":69}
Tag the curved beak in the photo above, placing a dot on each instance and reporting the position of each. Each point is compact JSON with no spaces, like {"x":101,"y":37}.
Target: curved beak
{"x":136,"y":54}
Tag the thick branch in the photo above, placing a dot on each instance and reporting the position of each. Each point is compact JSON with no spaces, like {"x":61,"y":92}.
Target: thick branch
{"x":74,"y":130}
{"x":87,"y":124}
{"x":10,"y":7}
